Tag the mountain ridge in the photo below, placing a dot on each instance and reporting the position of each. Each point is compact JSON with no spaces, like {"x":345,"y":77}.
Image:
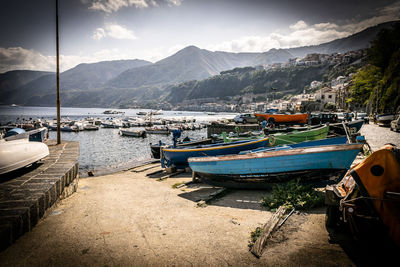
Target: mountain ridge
{"x":139,"y":76}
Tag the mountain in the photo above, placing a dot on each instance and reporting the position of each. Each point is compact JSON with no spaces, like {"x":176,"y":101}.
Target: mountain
{"x":111,"y":83}
{"x":93,"y":76}
{"x":11,"y":80}
{"x":35,"y":88}
{"x":190,"y":63}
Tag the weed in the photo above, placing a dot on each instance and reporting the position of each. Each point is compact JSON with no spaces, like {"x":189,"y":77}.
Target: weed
{"x":177,"y":184}
{"x":254,"y":235}
{"x":293,"y":195}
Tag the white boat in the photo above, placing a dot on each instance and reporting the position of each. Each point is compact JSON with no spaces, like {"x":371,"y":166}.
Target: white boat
{"x":385,"y":119}
{"x":131,"y":132}
{"x":16,"y":154}
{"x":157,"y":130}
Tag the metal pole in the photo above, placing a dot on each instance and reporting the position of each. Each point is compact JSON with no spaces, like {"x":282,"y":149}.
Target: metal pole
{"x":58,"y":81}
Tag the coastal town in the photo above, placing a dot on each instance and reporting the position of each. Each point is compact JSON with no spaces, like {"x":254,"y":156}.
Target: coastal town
{"x":199,"y":133}
{"x":316,"y":96}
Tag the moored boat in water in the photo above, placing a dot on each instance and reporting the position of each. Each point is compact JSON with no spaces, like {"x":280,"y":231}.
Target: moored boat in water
{"x":131,"y":132}
{"x":259,"y":169}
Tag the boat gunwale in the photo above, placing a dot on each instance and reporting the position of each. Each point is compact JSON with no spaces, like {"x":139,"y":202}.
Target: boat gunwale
{"x":242,"y":143}
{"x":278,"y":153}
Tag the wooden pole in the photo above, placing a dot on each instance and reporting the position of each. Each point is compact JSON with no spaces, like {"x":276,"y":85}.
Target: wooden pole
{"x":58,"y":81}
{"x":268,"y":228}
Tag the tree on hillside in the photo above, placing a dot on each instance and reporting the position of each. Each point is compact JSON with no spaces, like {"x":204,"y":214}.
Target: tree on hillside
{"x":378,"y":84}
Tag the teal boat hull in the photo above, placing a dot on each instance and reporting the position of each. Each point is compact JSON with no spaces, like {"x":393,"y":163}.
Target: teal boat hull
{"x":255,"y":170}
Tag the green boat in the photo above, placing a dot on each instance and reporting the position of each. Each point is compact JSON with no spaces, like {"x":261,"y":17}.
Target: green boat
{"x":298,"y":136}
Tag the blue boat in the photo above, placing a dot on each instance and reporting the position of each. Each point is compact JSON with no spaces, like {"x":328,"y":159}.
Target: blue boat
{"x":178,"y":156}
{"x":259,"y":169}
{"x":353,"y":127}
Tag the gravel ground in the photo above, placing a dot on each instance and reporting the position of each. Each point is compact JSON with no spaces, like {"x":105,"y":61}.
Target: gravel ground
{"x":377,"y":136}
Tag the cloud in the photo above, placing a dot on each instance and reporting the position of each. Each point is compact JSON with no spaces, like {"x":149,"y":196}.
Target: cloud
{"x":300,"y":25}
{"x":387,"y":13}
{"x":18,"y":58}
{"x":109,"y":6}
{"x":298,"y":34}
{"x":113,"y":31}
{"x":302,"y":34}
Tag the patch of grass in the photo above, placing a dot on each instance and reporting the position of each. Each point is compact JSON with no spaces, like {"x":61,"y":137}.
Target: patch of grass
{"x":201,"y":204}
{"x":177,"y":184}
{"x":254,"y":235}
{"x":293,"y":195}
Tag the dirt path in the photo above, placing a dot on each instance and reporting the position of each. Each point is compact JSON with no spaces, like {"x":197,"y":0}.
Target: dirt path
{"x":128,"y":219}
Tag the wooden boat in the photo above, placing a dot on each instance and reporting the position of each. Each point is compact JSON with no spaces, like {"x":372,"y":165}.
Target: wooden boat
{"x":18,"y":153}
{"x":283,"y":118}
{"x":260,"y":169}
{"x":156,"y":152}
{"x":178,"y":156}
{"x":353,"y":127}
{"x":131,"y":132}
{"x":299,"y":136}
{"x":372,"y":193}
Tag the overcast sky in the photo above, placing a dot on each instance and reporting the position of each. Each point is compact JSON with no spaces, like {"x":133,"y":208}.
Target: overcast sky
{"x":98,"y":30}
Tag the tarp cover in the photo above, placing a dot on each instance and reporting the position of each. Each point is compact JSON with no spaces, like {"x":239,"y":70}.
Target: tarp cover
{"x":379,"y":174}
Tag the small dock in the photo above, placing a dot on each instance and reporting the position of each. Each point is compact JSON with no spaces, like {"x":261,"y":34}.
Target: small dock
{"x":231,"y":127}
{"x":27,"y":193}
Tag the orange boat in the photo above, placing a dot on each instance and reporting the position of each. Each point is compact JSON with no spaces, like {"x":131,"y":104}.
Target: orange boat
{"x":283,"y":118}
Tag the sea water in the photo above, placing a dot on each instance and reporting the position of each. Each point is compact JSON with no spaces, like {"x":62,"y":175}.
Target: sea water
{"x":105,"y":151}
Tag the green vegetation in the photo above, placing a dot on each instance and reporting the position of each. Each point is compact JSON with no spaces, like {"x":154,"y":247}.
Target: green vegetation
{"x":248,"y":80}
{"x":377,"y":84}
{"x":254,"y":235}
{"x":293,"y":195}
{"x":177,"y":184}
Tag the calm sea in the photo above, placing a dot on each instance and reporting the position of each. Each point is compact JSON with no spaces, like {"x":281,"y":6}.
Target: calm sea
{"x":105,"y":151}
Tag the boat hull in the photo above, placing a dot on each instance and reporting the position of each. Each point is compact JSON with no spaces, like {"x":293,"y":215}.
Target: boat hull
{"x":133,"y":133}
{"x":268,"y":167}
{"x":353,"y":127}
{"x":179,"y":156}
{"x":284,"y":118}
{"x":19,"y":153}
{"x":301,"y":136}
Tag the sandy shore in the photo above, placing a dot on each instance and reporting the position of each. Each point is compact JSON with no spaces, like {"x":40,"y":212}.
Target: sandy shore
{"x":129,"y":219}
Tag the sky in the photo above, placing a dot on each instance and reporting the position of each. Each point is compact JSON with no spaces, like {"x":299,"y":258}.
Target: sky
{"x":99,"y":30}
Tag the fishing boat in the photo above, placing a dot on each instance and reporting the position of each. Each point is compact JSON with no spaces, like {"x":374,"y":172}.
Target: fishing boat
{"x":179,"y":156}
{"x":258,"y":170}
{"x":299,"y":136}
{"x":353,"y":127}
{"x":155,"y":148}
{"x":367,"y":198}
{"x":283,"y":118}
{"x":131,"y":132}
{"x":18,"y":153}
